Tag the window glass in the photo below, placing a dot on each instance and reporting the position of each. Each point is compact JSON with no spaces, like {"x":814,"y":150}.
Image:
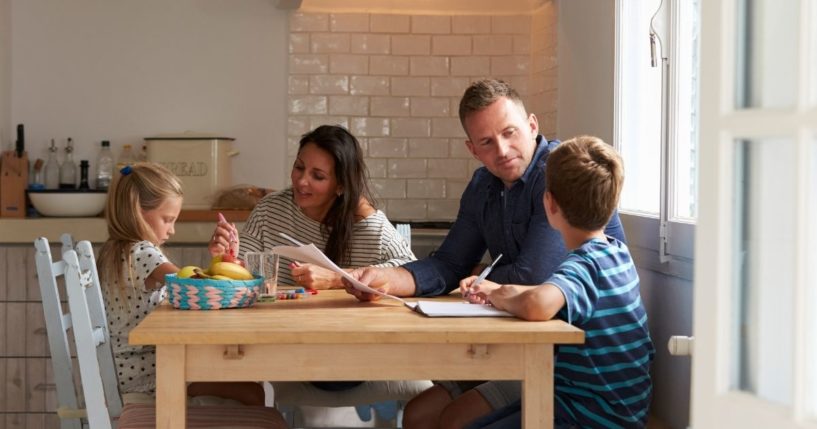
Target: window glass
{"x":640,"y":108}
{"x":642,"y":73}
{"x":685,"y":150}
{"x":765,"y":232}
{"x":811,"y":292}
{"x":767,"y":56}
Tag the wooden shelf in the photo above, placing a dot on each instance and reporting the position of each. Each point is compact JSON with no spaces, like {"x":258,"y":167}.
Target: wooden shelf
{"x":212,"y":215}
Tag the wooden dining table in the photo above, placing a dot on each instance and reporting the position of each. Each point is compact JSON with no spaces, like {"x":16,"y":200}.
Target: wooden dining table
{"x":332,"y":336}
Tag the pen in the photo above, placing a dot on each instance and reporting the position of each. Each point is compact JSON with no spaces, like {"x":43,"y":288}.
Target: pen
{"x":483,"y":275}
{"x":296,"y":242}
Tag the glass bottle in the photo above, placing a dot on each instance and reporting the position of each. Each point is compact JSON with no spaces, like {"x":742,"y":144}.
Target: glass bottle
{"x":52,"y":168}
{"x":83,"y":176}
{"x":126,"y":157}
{"x":104,"y":166}
{"x":68,"y":170}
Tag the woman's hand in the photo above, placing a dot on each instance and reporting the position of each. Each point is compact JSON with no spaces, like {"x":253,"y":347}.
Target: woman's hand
{"x":314,"y":277}
{"x":225,"y":237}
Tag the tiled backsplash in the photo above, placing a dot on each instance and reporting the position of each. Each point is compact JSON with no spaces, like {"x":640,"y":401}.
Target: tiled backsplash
{"x":395,"y":82}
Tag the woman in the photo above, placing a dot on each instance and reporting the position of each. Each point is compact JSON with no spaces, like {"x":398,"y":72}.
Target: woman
{"x":328,"y":204}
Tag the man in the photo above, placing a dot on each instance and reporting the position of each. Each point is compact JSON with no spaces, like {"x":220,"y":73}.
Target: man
{"x":500,"y":211}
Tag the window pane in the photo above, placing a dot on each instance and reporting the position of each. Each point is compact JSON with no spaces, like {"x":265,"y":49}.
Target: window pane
{"x":764,"y":267}
{"x":687,"y":112}
{"x":811,"y":292}
{"x":813,"y":51}
{"x":766,"y":58}
{"x":640,"y":108}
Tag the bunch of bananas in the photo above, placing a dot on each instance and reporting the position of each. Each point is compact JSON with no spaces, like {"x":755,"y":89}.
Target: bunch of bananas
{"x":219,"y":269}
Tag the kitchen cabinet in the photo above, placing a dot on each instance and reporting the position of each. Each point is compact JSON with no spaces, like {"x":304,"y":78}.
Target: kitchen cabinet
{"x":28,"y":395}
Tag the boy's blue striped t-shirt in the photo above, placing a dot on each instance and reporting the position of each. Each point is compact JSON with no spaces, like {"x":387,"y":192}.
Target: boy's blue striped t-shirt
{"x":605,"y":382}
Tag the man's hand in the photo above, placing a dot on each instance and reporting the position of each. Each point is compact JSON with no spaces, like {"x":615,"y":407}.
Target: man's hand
{"x":375,"y":278}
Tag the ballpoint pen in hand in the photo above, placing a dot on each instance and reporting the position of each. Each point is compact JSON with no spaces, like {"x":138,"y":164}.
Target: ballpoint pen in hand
{"x":483,"y":275}
{"x":294,"y":241}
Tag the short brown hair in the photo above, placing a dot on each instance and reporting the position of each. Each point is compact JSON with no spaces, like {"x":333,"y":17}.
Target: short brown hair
{"x":483,"y":93}
{"x":585,"y":175}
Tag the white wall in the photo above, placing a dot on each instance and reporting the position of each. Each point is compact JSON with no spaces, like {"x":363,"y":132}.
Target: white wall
{"x":586,"y":68}
{"x":586,"y":103}
{"x":97,"y":69}
{"x":5,"y":73}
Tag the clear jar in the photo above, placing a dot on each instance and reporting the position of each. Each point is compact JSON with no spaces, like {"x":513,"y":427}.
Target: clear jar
{"x":126,"y":157}
{"x":104,"y":166}
{"x":52,"y":168}
{"x":68,"y":170}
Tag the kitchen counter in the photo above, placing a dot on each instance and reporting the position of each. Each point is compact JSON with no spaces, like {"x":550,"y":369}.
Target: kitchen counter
{"x":193,"y":227}
{"x":24,"y":231}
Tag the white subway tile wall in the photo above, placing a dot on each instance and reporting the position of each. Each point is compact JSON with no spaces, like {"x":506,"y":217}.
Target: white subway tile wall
{"x":395,"y":82}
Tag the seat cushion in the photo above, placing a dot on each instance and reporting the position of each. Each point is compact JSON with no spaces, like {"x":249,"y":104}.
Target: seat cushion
{"x":143,"y":416}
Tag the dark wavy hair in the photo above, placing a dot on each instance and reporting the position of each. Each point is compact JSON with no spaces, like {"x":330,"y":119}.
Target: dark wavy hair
{"x":352,"y":176}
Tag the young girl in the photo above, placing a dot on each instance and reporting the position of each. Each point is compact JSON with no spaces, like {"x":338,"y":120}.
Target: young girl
{"x":144,"y":202}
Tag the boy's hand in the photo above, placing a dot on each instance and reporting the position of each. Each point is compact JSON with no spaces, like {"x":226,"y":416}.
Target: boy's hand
{"x":479,"y":294}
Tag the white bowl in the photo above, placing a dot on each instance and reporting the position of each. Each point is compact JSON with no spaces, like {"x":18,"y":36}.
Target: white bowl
{"x":68,"y":203}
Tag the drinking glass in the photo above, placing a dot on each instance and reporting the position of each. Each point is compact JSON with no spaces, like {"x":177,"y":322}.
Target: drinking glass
{"x":264,"y":264}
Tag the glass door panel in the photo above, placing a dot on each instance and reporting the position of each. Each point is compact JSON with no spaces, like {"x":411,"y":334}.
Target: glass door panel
{"x":764,"y":269}
{"x":766,"y":53}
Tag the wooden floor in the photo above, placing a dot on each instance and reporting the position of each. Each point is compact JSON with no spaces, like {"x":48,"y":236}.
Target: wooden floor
{"x":655,"y":423}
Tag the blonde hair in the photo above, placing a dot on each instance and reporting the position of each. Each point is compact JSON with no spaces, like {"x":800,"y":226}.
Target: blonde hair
{"x":139,"y":187}
{"x":585,"y":176}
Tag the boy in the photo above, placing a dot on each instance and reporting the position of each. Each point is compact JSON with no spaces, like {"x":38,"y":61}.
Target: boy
{"x":605,"y":382}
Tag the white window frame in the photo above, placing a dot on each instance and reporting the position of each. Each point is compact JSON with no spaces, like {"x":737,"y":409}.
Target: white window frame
{"x":672,"y":253}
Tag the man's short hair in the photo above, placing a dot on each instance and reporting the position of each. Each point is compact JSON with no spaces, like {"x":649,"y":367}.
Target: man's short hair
{"x":585,"y":175}
{"x":483,"y":93}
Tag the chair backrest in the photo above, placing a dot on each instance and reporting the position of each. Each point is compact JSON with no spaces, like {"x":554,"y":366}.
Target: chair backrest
{"x":92,"y":337}
{"x":404,"y":230}
{"x":57,"y":324}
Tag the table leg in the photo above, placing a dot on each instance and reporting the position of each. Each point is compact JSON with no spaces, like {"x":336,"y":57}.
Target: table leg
{"x":171,"y":398}
{"x":537,"y":388}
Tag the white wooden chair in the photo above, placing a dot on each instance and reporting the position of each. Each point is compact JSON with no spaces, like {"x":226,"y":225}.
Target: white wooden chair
{"x":57,"y":325}
{"x":88,"y":321}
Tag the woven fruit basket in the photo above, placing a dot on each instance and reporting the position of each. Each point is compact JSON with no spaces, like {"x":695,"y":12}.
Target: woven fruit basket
{"x":212,"y":294}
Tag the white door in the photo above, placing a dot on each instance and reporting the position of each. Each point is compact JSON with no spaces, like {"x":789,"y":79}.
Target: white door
{"x":755,"y":358}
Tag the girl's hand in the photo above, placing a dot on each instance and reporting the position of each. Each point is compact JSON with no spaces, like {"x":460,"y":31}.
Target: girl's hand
{"x":314,"y":277}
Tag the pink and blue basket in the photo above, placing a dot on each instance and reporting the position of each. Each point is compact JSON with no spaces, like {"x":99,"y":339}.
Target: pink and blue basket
{"x":212,"y":294}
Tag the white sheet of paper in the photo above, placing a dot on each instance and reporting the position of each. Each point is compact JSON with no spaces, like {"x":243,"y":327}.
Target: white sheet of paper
{"x":456,"y":309}
{"x":312,"y":255}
